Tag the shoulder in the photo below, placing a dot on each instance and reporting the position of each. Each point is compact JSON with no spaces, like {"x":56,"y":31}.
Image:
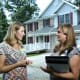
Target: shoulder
{"x":2,"y":44}
{"x":73,"y":52}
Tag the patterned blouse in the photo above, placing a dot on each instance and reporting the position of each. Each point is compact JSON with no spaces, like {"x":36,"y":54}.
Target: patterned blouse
{"x":13,"y":56}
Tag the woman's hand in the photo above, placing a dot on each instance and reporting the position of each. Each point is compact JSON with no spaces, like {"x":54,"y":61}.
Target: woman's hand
{"x":46,"y":69}
{"x":24,"y":63}
{"x":29,"y":62}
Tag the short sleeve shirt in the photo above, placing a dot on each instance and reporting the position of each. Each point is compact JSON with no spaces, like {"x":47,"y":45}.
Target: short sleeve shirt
{"x":13,"y":56}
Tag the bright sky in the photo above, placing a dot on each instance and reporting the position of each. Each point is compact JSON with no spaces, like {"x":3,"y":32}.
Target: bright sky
{"x":42,"y":4}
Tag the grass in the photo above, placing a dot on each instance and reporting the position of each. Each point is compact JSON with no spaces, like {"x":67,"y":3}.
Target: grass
{"x":35,"y":53}
{"x":32,"y":54}
{"x":0,"y":78}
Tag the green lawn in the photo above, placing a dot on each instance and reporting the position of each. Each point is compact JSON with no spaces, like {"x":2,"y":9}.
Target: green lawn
{"x":33,"y":54}
{"x":0,"y":78}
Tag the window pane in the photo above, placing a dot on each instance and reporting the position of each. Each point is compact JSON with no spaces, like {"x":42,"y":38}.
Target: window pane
{"x":35,"y":26}
{"x":46,"y":38}
{"x":30,"y":27}
{"x":37,"y":39}
{"x":61,"y":19}
{"x":46,"y":22}
{"x":30,"y":40}
{"x":67,"y":18}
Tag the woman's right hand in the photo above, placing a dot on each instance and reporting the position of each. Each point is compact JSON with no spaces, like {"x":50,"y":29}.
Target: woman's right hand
{"x":22,"y":63}
{"x":46,"y":69}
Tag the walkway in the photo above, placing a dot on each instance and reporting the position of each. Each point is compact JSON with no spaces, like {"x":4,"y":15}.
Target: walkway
{"x":34,"y":71}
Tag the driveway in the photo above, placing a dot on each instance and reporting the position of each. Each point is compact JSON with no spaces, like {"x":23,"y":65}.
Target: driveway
{"x":34,"y":71}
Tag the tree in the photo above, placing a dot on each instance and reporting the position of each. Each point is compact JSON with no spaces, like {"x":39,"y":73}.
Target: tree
{"x":3,"y":24}
{"x":21,"y":10}
{"x":77,"y":2}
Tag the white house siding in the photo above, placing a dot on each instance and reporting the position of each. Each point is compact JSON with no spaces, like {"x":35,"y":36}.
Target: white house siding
{"x":51,"y":8}
{"x":55,"y":21}
{"x":64,"y":10}
{"x":52,"y":22}
{"x":53,"y":41}
{"x":78,"y":17}
{"x":40,"y":24}
{"x":75,"y":18}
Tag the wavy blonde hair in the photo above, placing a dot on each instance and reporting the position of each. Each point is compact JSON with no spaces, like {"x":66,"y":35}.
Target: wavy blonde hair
{"x":10,"y":36}
{"x":67,"y":29}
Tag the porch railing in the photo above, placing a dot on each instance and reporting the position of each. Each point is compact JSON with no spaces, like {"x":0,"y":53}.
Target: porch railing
{"x":36,"y":47}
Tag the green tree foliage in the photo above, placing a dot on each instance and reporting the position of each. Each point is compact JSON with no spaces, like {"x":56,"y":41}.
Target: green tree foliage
{"x":77,"y":2}
{"x":3,"y":23}
{"x":21,"y":10}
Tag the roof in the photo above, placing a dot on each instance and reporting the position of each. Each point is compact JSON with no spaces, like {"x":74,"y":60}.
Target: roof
{"x":45,"y":31}
{"x":69,"y":3}
{"x":38,"y":19}
{"x":52,"y":31}
{"x":46,"y":8}
{"x":64,"y":1}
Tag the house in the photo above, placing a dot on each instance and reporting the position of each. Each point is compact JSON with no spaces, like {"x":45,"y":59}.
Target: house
{"x":41,"y":31}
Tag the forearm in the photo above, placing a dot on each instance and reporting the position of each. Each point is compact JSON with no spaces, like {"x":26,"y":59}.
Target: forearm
{"x":68,"y":75}
{"x":8,"y":68}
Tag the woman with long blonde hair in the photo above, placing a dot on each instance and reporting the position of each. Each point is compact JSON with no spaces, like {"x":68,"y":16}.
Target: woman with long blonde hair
{"x":13,"y":60}
{"x":66,"y":47}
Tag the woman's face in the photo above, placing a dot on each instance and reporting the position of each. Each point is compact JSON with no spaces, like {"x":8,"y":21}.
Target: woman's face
{"x":20,"y":33}
{"x":61,"y":36}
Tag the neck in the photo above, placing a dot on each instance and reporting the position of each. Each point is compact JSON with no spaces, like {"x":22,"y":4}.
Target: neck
{"x":17,"y":46}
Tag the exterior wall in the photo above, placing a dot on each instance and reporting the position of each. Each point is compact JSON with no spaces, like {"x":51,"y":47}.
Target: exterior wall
{"x":52,"y":21}
{"x":75,"y":18}
{"x":53,"y":42}
{"x":78,"y":17}
{"x":64,"y":10}
{"x":55,"y":21}
{"x":40,"y":24}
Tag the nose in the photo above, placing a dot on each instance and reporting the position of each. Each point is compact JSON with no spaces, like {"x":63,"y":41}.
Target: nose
{"x":57,"y":34}
{"x":23,"y":34}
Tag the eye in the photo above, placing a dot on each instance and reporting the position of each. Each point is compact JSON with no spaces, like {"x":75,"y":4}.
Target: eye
{"x":58,"y":32}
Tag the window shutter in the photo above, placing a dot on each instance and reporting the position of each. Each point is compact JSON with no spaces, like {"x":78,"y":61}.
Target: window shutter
{"x":58,"y":20}
{"x":49,"y":22}
{"x":71,"y":18}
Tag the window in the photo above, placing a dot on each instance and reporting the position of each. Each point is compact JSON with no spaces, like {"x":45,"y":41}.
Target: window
{"x":35,"y":26}
{"x":30,"y":40}
{"x":46,"y":38}
{"x":37,"y":39}
{"x":46,"y":22}
{"x":30,"y":27}
{"x":61,"y":19}
{"x":66,"y":18}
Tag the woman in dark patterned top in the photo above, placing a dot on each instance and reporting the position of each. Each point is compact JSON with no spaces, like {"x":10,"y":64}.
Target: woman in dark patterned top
{"x":66,"y":47}
{"x":13,"y":60}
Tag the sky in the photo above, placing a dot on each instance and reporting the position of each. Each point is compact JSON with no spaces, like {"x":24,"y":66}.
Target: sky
{"x":42,"y":4}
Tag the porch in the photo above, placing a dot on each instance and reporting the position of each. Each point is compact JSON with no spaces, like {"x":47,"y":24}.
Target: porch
{"x":37,"y":47}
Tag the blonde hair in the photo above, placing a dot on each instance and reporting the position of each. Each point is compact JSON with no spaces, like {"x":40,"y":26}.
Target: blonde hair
{"x":67,"y":29}
{"x":10,"y":36}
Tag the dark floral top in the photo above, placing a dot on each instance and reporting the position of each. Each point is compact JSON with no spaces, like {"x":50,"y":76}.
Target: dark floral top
{"x":13,"y":55}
